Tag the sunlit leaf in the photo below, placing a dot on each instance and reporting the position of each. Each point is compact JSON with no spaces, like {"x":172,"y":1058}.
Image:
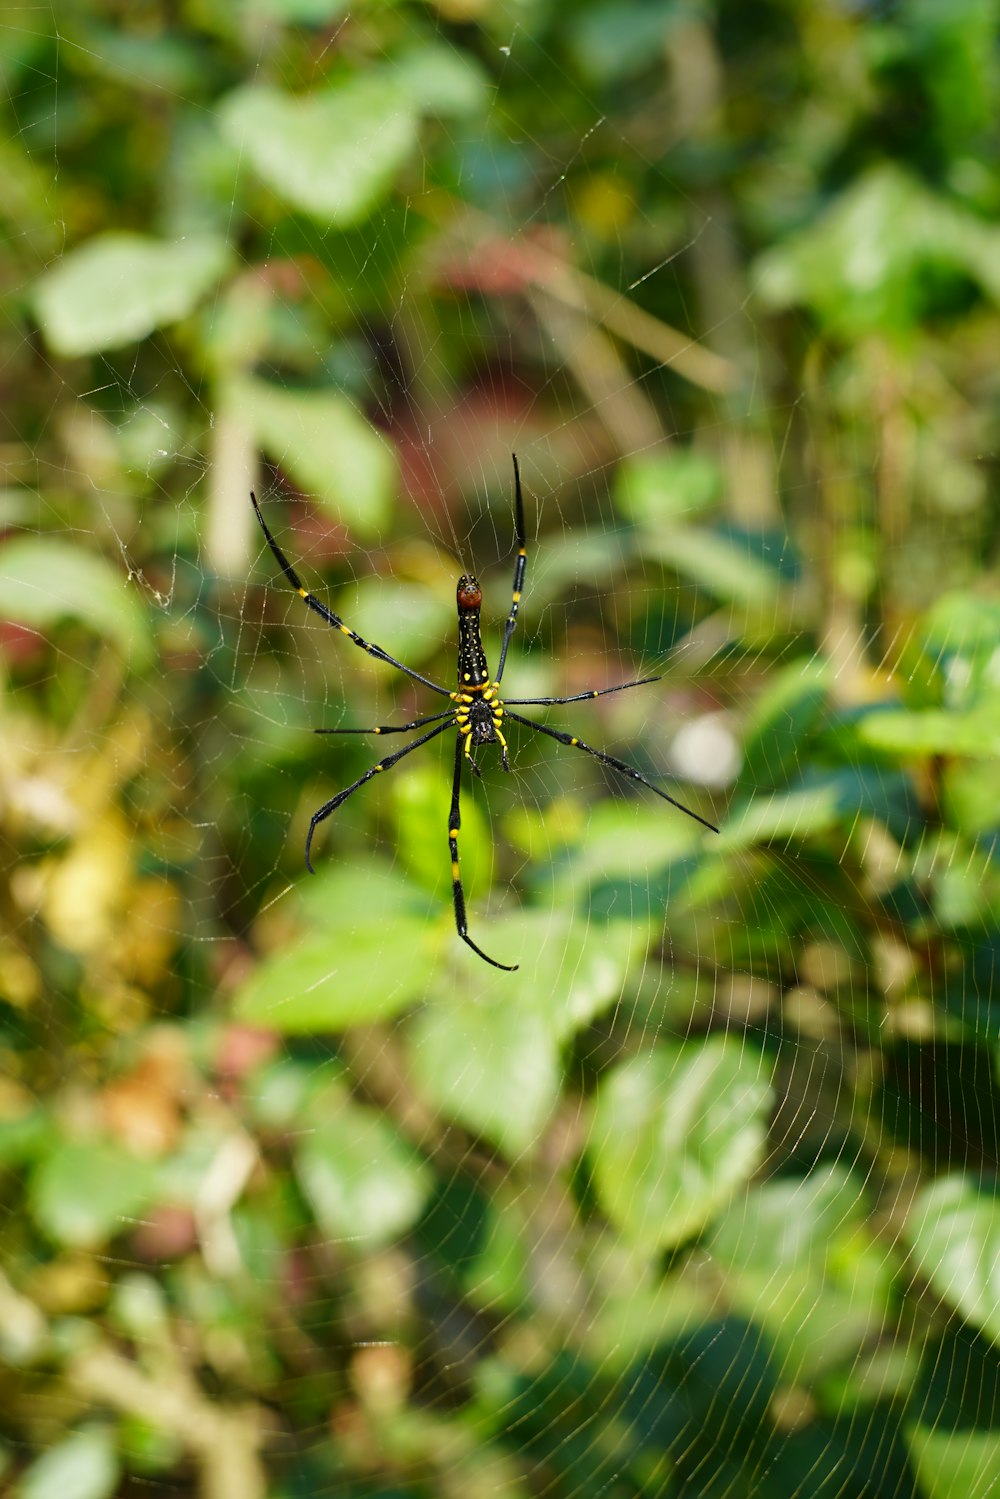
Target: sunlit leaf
{"x":419,"y":798}
{"x":963,"y":624}
{"x":675,"y":1132}
{"x":119,"y":287}
{"x":363,"y":1183}
{"x":440,"y":80}
{"x":571,"y":969}
{"x":333,"y":153}
{"x":296,"y":12}
{"x":716,"y":562}
{"x":82,"y":1466}
{"x":934,"y":731}
{"x":951,"y":1462}
{"x":781,"y":720}
{"x":410,"y":620}
{"x":341,"y":896}
{"x":355,"y":973}
{"x":668,"y":487}
{"x":319,"y":438}
{"x":85,"y":889}
{"x":84,"y":1195}
{"x":44,"y":581}
{"x":487,"y":1052}
{"x":492,"y":1066}
{"x":954,"y":1232}
{"x":859,"y":264}
{"x":796,"y":814}
{"x":798,"y":1257}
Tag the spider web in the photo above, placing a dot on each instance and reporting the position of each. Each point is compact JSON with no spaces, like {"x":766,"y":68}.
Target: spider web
{"x":675,"y":1208}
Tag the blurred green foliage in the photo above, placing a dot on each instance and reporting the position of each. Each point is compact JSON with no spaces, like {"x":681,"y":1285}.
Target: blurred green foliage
{"x":299,"y":1196}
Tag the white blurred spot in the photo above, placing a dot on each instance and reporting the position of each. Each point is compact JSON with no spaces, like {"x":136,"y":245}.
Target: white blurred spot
{"x":707,"y":751}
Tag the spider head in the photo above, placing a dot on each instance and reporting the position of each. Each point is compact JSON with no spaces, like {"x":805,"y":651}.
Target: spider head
{"x":469,"y":595}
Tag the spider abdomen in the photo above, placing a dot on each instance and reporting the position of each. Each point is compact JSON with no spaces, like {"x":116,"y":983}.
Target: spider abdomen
{"x":472,"y":669}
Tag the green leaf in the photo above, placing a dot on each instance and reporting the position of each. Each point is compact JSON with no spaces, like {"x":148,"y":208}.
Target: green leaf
{"x":296,"y":12}
{"x":23,"y":1137}
{"x":363,"y":1183}
{"x":119,"y":287}
{"x":498,"y":1275}
{"x":612,"y":41}
{"x":82,"y":1466}
{"x":84,"y":1195}
{"x":799,"y":1259}
{"x":972,"y":796}
{"x":622,"y":842}
{"x":44,"y":581}
{"x":440,"y":80}
{"x":409,"y":620}
{"x":326,"y":447}
{"x":797,"y":814}
{"x":781,"y":721}
{"x":957,"y":46}
{"x":487,"y":1051}
{"x":420,"y":797}
{"x":571,"y":968}
{"x":954,"y":1232}
{"x":724,"y":568}
{"x":667,"y":487}
{"x":950,"y":1463}
{"x":355,"y":973}
{"x":335,"y":154}
{"x":860,"y":265}
{"x":674,"y":1134}
{"x":965,"y":625}
{"x":492,"y":1065}
{"x":934,"y":731}
{"x":338,"y":897}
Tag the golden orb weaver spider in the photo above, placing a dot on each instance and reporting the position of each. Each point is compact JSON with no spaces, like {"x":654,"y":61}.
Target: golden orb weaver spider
{"x":477,"y":710}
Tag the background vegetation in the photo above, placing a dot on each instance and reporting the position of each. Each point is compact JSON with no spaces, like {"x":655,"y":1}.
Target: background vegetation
{"x":299,"y":1198}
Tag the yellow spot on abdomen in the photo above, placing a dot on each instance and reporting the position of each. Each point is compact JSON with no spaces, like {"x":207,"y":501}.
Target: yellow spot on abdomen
{"x":453,"y":832}
{"x":517,"y":598}
{"x":454,"y":869}
{"x":303,"y":593}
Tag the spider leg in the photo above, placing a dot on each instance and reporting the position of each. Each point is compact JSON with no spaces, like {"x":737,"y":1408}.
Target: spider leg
{"x":341,"y":797}
{"x":547,"y":702}
{"x":328,"y":615}
{"x":519,"y":566}
{"x":618,"y":765}
{"x":391,"y":728}
{"x":458,"y":894}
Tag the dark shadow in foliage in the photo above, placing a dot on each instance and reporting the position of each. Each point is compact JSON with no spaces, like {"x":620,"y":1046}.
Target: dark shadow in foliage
{"x":958,"y":1387}
{"x":941,"y":1099}
{"x":705,"y":1405}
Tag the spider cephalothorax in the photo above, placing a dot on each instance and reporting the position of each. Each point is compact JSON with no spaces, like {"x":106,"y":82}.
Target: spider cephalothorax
{"x":478,"y":717}
{"x":477,"y":712}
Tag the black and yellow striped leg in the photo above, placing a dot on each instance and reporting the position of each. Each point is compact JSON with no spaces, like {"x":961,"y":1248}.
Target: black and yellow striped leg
{"x":335,"y":620}
{"x":458,"y":894}
{"x":579,"y":697}
{"x":341,"y":797}
{"x":391,"y":728}
{"x":519,"y":566}
{"x":605,"y":759}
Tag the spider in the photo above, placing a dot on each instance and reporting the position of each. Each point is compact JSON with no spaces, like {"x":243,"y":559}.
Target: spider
{"x":475,"y":709}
